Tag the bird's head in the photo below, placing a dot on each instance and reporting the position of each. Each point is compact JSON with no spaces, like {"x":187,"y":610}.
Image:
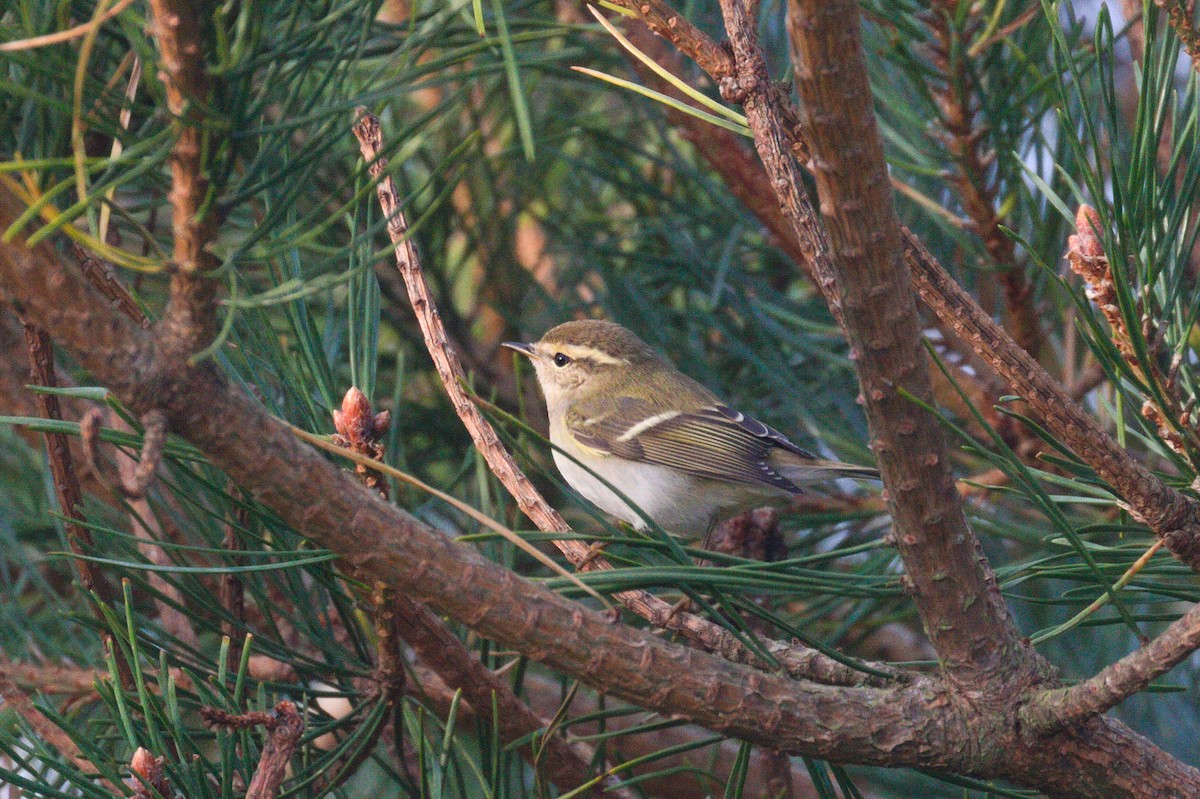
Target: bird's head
{"x":576,"y":359}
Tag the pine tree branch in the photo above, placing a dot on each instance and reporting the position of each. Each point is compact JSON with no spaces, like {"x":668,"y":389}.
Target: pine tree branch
{"x":799,"y":660}
{"x":1054,"y":710}
{"x":859,"y":261}
{"x":189,"y":322}
{"x":743,"y":174}
{"x":668,"y":23}
{"x":398,"y":618}
{"x":963,"y":136}
{"x":1170,"y":514}
{"x":66,"y":486}
{"x":105,"y":281}
{"x":565,"y":764}
{"x":231,"y":593}
{"x":58,"y":455}
{"x":388,"y":545}
{"x":921,"y":723}
{"x":284,"y":725}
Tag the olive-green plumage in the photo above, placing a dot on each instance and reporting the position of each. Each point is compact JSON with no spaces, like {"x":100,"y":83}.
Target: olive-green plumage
{"x":622,"y":412}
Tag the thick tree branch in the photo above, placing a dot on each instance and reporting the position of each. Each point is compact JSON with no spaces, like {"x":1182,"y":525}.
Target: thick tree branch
{"x":743,"y":174}
{"x":386,"y":544}
{"x":922,"y":723}
{"x":190,"y":320}
{"x":799,"y":660}
{"x":954,"y":589}
{"x":1062,"y":707}
{"x":566,"y":765}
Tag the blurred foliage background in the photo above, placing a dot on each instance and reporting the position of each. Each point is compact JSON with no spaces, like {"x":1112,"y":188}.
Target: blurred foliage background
{"x":538,"y":194}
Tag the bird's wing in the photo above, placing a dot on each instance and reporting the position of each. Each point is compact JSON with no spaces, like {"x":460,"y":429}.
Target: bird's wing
{"x":715,"y":442}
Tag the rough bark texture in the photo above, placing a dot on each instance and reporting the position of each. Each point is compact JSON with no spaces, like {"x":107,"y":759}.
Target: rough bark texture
{"x":564,"y":764}
{"x":925,"y":723}
{"x":859,"y":263}
{"x":1060,"y":708}
{"x":1166,"y":511}
{"x":985,"y":716}
{"x":190,"y":319}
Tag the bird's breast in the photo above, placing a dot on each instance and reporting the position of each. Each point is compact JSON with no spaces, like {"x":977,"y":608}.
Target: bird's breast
{"x":665,"y":495}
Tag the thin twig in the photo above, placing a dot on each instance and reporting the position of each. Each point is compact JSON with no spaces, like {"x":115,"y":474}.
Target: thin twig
{"x":146,"y":527}
{"x":744,"y":176}
{"x":285,"y":725}
{"x":66,"y":485}
{"x":58,"y":453}
{"x":922,"y":723}
{"x":799,"y":661}
{"x":1164,"y":510}
{"x":74,"y":682}
{"x":23,"y":706}
{"x":65,"y":36}
{"x":390,"y":667}
{"x":1167,"y":512}
{"x":101,"y":275}
{"x":1054,"y":710}
{"x":964,"y":138}
{"x":721,"y":149}
{"x":190,"y":319}
{"x":955,"y":590}
{"x":232,"y":592}
{"x":675,"y":28}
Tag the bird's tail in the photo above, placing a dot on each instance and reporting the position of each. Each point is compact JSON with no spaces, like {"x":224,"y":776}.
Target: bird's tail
{"x":820,"y":471}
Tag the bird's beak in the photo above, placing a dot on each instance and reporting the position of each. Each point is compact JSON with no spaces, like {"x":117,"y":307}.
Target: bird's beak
{"x":521,"y":347}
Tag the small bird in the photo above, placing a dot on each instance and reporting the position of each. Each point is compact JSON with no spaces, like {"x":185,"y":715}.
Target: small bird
{"x":621,"y":412}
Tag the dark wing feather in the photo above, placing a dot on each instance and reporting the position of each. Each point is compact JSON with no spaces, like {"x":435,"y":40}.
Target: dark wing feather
{"x":715,"y":442}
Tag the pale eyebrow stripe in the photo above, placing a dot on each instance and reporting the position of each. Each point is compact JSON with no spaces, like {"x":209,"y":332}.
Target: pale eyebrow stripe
{"x":646,"y":424}
{"x":580,"y":352}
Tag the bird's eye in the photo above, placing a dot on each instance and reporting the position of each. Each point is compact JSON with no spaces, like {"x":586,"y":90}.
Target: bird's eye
{"x":560,"y":359}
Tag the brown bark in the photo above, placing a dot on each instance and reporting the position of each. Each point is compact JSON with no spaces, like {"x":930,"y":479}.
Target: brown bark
{"x":19,"y":702}
{"x":964,"y":137}
{"x":566,"y":765}
{"x":1170,"y":514}
{"x":859,"y":263}
{"x":190,"y":320}
{"x":1062,"y":707}
{"x":923,"y":723}
{"x":675,"y":28}
{"x":58,"y":454}
{"x":743,"y":174}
